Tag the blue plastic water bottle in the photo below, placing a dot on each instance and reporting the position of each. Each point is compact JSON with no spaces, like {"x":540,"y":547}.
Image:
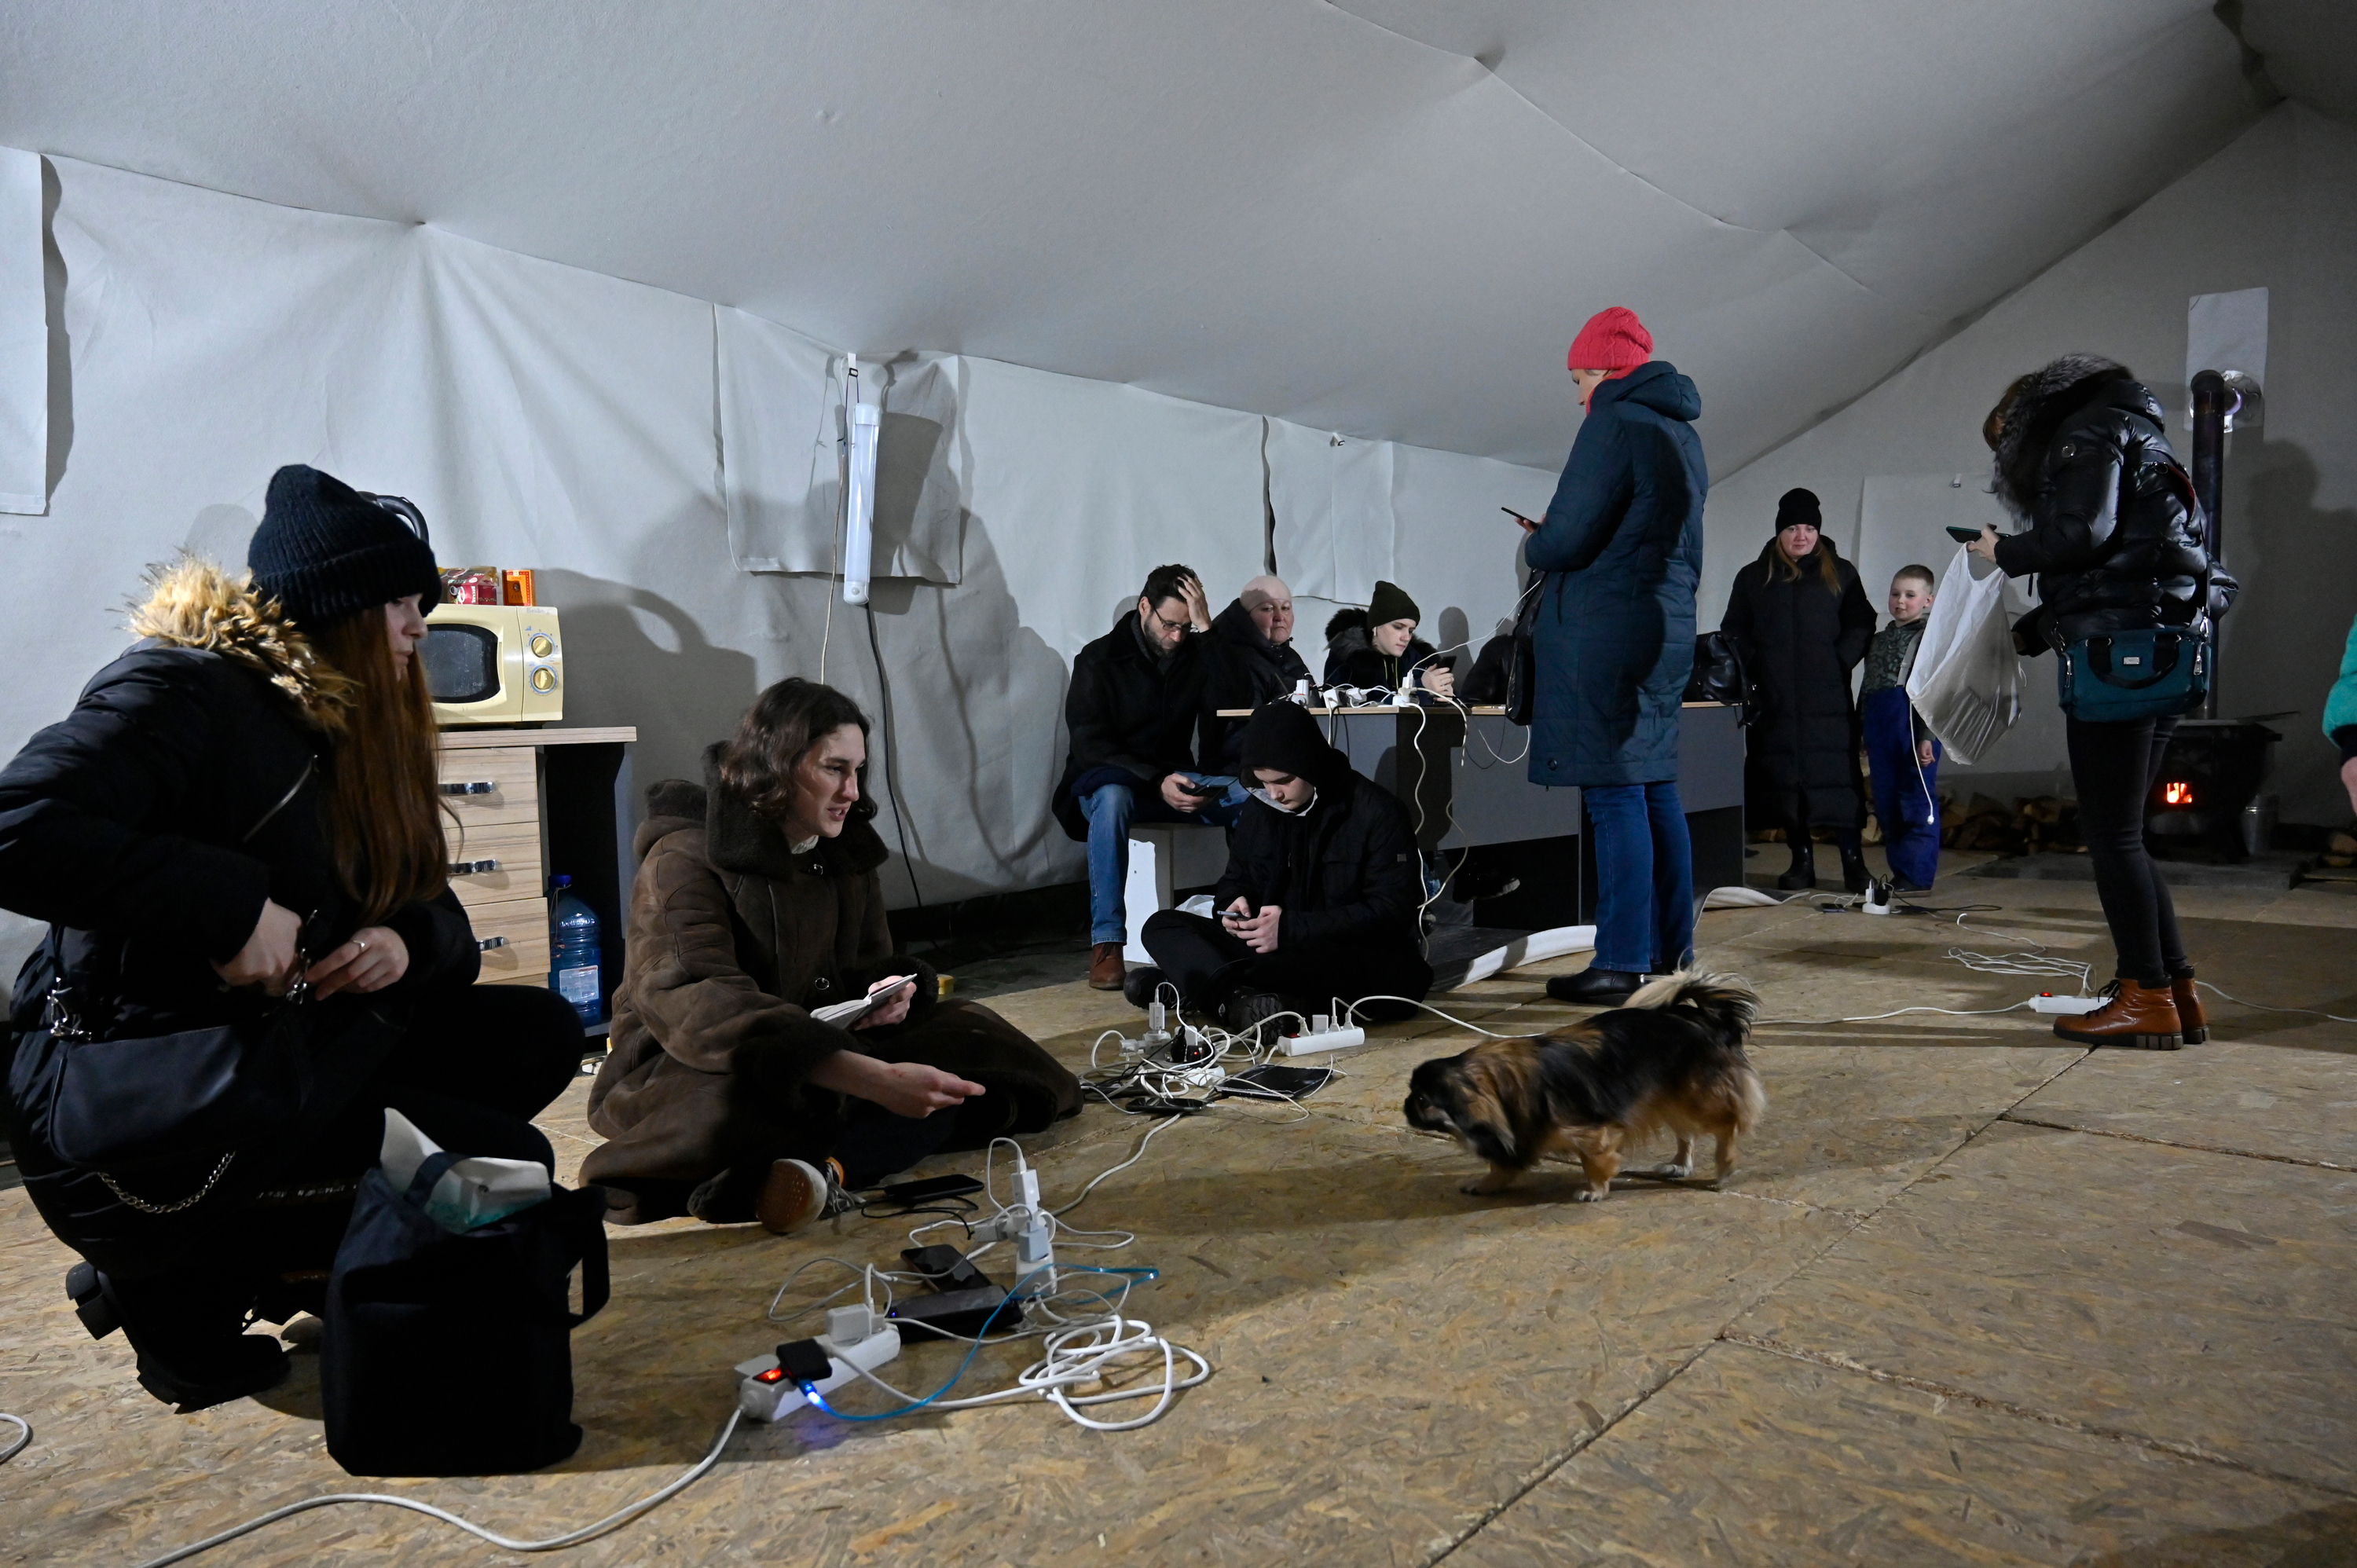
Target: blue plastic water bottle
{"x":573,"y":953}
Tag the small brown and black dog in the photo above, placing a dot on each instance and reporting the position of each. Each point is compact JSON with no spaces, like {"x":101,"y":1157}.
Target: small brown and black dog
{"x":1671,"y":1058}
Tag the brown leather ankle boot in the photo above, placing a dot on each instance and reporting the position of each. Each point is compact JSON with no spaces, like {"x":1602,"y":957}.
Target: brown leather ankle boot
{"x":2143,"y":1016}
{"x":2191,"y":1019}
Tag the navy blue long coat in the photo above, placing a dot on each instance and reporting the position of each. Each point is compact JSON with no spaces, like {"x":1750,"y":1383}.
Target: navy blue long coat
{"x":1621,"y":548}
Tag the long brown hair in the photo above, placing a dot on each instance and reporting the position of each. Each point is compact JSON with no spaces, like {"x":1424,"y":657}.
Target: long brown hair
{"x":1788,"y":570}
{"x":384,"y":819}
{"x":777,"y":732}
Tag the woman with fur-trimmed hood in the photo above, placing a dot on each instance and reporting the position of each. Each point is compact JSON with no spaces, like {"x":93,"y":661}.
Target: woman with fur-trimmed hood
{"x":2117,"y":543}
{"x":246,"y":801}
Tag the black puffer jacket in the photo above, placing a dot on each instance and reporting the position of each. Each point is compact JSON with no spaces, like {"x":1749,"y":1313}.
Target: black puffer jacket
{"x":1352,"y":659}
{"x":1127,"y":711}
{"x":146,"y":828}
{"x":2115,"y":535}
{"x":1245,"y":670}
{"x":1344,"y":870}
{"x":1801,"y":637}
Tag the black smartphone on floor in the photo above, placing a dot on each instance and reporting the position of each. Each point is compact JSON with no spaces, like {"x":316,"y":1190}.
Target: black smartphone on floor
{"x":929,"y":1188}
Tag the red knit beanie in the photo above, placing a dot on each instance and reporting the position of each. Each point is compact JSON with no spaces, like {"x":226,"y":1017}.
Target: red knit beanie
{"x":1613,"y":340}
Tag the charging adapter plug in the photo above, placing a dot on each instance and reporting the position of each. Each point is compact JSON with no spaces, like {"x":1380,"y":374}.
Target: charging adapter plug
{"x":848,"y":1326}
{"x":1157,"y":1019}
{"x":770,"y":1391}
{"x":1325,"y":1040}
{"x":1004,"y":1226}
{"x":1035,"y":1257}
{"x":1877,"y":899}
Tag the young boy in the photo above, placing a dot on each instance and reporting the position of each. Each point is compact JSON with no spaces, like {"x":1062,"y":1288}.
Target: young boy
{"x":1902,"y":758}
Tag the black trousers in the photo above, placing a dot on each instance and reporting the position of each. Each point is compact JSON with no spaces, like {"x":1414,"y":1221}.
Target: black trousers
{"x":2113,"y":767}
{"x":1209,"y":965}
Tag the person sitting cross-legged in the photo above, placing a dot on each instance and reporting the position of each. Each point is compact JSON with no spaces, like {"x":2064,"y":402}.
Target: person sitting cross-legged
{"x":1321,"y":895}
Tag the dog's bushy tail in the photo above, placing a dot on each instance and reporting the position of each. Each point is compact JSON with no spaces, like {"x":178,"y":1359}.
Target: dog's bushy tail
{"x":1726,"y":1004}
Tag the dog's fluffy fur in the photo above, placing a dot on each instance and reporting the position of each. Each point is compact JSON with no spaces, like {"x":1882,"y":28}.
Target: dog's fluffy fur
{"x":1673,"y":1057}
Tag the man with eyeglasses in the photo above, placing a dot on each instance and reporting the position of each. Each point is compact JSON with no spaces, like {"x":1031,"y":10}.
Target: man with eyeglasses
{"x":1131,"y":716}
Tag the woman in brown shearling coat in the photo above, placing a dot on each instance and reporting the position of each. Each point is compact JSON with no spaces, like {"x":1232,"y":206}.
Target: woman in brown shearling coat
{"x":758,"y":902}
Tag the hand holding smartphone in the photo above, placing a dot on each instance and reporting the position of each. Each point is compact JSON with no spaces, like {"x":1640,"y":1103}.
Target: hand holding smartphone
{"x":1963,"y":536}
{"x":1528,"y":526}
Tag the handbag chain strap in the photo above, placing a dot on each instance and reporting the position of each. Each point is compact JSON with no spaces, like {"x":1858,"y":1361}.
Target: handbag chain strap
{"x":143,"y":1206}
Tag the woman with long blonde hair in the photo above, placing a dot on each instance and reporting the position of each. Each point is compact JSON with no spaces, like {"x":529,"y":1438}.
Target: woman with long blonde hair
{"x":235,"y":837}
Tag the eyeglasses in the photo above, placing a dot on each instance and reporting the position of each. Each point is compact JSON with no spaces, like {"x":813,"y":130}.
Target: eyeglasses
{"x":1155,"y":617}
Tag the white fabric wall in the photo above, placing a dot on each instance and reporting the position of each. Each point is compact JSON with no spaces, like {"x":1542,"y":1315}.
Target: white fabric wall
{"x":23,"y":337}
{"x":1329,"y":503}
{"x":640,"y":449}
{"x":2276,"y":209}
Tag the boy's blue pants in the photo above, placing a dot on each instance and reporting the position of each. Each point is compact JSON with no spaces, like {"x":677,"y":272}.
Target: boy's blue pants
{"x":1906,"y":795}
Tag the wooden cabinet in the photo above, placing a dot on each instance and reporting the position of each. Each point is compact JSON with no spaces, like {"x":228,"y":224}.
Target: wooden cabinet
{"x":524,"y":805}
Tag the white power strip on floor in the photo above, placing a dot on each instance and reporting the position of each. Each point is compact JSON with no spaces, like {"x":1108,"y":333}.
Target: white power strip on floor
{"x":2047,"y":1002}
{"x":1325,"y":1040}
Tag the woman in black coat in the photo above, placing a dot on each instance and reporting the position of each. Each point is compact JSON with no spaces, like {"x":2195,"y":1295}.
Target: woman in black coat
{"x":237,"y":827}
{"x":2116,"y":541}
{"x":1803,"y":621}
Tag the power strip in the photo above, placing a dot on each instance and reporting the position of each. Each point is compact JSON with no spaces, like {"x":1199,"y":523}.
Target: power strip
{"x":1324,"y":1040}
{"x":2047,"y":1002}
{"x":767,"y":1393}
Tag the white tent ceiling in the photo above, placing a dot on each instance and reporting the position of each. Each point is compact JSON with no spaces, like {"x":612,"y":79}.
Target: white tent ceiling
{"x":1385,"y":217}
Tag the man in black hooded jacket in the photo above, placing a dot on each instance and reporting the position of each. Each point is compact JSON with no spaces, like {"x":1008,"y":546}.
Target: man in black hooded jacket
{"x":1321,"y":897}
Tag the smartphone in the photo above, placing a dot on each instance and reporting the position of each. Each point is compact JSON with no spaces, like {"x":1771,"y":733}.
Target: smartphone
{"x":1963,"y":536}
{"x":1281,"y":1082}
{"x":1518,"y":517}
{"x":1201,"y":792}
{"x":929,"y":1188}
{"x":1235,"y":916}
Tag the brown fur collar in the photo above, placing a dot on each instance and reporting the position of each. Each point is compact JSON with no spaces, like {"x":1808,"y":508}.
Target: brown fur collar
{"x":739,"y":840}
{"x":192,"y":602}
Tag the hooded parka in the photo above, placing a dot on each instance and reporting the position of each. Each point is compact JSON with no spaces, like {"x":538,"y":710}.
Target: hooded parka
{"x":1621,"y":549}
{"x":148,"y":828}
{"x":733,"y":939}
{"x":1802,"y":629}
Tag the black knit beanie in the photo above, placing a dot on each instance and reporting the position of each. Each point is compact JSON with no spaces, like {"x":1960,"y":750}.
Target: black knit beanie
{"x":1389,"y":604}
{"x":1796,"y":506}
{"x":326,"y":549}
{"x":1282,"y":737}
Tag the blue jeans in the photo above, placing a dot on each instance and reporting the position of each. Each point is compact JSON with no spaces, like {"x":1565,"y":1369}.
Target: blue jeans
{"x":1645,"y":871}
{"x":1110,"y":809}
{"x":1906,"y":795}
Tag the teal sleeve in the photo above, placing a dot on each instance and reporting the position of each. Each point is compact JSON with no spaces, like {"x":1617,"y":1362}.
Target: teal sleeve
{"x":2341,"y":705}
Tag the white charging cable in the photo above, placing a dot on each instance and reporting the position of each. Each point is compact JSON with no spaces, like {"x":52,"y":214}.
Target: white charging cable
{"x":555,"y":1542}
{"x":24,"y":1435}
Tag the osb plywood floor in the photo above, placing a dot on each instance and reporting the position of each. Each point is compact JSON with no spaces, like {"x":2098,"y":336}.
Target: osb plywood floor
{"x":1976,"y":1296}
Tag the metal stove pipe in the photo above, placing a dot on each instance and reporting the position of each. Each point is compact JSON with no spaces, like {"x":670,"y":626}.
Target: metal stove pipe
{"x":2213,"y":402}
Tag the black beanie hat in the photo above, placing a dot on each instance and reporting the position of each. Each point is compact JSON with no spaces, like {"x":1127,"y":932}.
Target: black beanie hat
{"x":1389,"y":604}
{"x":326,"y":549}
{"x":1798,"y":506}
{"x":1282,"y":735}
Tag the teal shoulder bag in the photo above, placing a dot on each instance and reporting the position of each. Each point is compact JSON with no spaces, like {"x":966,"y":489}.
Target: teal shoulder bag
{"x":2121,"y":676}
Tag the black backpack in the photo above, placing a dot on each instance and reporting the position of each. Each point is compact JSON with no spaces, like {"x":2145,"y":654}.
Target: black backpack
{"x":450,"y":1353}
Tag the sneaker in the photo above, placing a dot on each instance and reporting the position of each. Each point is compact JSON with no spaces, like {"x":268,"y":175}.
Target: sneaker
{"x":1143,"y":982}
{"x":798,"y":1192}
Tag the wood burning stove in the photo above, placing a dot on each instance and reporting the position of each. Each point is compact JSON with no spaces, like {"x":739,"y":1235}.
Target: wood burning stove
{"x":2213,"y":769}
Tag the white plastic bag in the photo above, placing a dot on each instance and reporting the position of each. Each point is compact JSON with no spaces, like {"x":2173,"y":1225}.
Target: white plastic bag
{"x":472,"y":1192}
{"x":1966,"y":682}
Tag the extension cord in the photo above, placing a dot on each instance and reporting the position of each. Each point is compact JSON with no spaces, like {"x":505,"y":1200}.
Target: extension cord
{"x":1325,"y":1040}
{"x":2047,"y":1002}
{"x":766,"y":1394}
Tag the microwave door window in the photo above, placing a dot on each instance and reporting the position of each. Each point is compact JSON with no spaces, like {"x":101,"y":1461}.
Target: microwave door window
{"x":462,"y":663}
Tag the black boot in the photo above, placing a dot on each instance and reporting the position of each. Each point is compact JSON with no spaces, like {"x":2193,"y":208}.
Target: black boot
{"x":1137,"y":988}
{"x":188,"y":1332}
{"x":1855,"y":876}
{"x":1803,"y":874}
{"x":1594,"y":987}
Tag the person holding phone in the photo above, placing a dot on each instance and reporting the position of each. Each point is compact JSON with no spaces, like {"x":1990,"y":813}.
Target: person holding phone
{"x":1376,"y":649}
{"x":1320,"y":898}
{"x":758,"y":906}
{"x":1131,"y":716}
{"x":1621,"y":549}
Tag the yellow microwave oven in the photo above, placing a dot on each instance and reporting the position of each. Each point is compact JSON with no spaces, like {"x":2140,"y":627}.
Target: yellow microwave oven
{"x":495,"y":664}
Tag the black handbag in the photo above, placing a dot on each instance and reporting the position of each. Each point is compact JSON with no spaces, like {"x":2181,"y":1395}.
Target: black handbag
{"x":1719,"y":674}
{"x":130,"y":1106}
{"x":1522,"y":666}
{"x":450,"y":1352}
